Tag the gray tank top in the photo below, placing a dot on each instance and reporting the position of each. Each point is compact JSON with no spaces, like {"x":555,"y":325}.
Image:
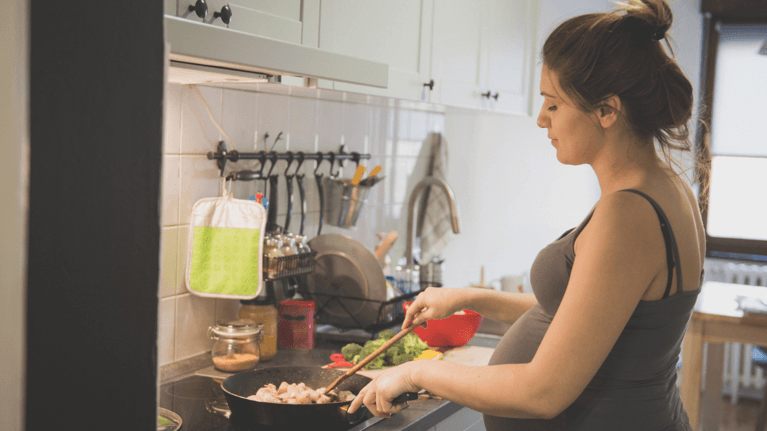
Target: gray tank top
{"x":635,"y":388}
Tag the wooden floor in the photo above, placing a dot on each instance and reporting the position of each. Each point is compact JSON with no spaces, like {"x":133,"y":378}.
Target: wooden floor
{"x":739,"y":417}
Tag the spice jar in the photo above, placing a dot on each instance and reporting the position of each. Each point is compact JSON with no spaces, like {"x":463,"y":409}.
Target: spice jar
{"x":296,"y":325}
{"x":272,"y":255}
{"x":235,"y":346}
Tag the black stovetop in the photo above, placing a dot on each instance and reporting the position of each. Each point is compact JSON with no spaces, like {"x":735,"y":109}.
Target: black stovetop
{"x":200,"y":402}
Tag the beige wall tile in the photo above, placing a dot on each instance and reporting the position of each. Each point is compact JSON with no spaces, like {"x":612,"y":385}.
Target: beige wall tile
{"x":171,"y":178}
{"x":172,"y":125}
{"x":166,"y":331}
{"x":199,"y":134}
{"x":168,"y":270}
{"x":193,"y":317}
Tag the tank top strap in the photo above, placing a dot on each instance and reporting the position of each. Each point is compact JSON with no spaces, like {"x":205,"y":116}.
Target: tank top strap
{"x":672,"y":251}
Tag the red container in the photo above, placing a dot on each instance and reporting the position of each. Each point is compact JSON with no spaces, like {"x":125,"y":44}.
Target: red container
{"x":295,"y":329}
{"x":452,"y":331}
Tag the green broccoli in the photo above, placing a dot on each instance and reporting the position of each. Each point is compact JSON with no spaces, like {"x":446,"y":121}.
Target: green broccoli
{"x":394,"y":350}
{"x":350,"y":350}
{"x":413,"y":344}
{"x":386,"y":335}
{"x":371,"y":347}
{"x":401,"y":358}
{"x":375,"y":364}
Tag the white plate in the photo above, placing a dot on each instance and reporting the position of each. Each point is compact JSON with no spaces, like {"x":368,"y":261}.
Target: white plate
{"x":344,"y":267}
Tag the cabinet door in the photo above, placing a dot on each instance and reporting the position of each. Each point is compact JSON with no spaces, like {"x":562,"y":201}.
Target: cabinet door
{"x":457,"y":55}
{"x":277,"y":19}
{"x":396,"y":32}
{"x":510,"y":42}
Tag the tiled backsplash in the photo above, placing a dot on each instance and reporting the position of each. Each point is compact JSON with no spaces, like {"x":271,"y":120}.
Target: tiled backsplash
{"x":392,"y":132}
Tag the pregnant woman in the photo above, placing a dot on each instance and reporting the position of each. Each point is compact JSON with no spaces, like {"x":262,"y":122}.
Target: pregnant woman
{"x":595,"y":347}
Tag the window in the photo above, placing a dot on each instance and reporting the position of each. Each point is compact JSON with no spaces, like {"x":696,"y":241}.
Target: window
{"x":736,"y":215}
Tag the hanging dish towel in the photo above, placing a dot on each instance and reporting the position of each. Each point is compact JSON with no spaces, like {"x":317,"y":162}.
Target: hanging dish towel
{"x":435,"y":227}
{"x":225,"y":248}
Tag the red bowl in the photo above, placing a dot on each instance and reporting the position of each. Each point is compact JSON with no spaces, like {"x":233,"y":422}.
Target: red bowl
{"x":452,"y":331}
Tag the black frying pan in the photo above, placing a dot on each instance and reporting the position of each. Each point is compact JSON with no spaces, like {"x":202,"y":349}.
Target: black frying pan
{"x":254,"y":413}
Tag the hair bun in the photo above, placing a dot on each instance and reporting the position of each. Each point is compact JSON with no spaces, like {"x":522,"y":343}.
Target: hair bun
{"x":658,"y":34}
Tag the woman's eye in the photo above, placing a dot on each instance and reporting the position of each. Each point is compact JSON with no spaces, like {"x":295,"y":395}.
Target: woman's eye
{"x":552,"y":108}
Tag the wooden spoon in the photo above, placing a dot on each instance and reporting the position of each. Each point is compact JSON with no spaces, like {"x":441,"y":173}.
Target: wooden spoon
{"x":358,"y":175}
{"x":371,"y":356}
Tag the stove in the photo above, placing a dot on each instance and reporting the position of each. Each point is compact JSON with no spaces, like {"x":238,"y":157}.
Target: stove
{"x":200,"y":402}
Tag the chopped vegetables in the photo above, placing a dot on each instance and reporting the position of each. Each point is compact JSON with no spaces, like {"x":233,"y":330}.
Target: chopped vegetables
{"x":407,"y":349}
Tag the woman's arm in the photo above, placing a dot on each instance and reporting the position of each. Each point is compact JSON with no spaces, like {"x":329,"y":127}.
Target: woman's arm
{"x":617,"y":260}
{"x":438,"y":303}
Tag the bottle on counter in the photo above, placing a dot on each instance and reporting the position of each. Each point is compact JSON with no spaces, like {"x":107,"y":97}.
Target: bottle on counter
{"x":263,"y":311}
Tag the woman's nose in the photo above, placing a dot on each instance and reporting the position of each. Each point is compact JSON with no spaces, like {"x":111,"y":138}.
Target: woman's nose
{"x":543,"y":121}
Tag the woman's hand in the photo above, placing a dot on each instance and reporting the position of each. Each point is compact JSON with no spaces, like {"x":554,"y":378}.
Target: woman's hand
{"x":379,"y":393}
{"x":433,"y":303}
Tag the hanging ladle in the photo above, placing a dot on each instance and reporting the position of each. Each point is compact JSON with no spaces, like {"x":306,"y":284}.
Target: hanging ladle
{"x":318,"y":180}
{"x":301,"y":191}
{"x":289,"y":184}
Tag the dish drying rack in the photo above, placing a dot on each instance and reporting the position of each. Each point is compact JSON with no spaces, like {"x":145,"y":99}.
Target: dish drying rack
{"x":389,"y":311}
{"x":277,"y":268}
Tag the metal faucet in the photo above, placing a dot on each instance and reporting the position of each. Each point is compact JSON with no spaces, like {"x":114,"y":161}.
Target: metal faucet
{"x":428,"y":181}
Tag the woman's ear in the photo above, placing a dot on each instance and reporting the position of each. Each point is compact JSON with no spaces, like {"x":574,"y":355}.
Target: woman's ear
{"x":608,"y":111}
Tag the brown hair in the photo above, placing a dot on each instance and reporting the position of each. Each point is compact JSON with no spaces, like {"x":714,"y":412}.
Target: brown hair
{"x":599,"y":55}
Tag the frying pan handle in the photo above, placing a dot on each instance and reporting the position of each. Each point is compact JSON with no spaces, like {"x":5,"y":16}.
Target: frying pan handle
{"x":362,"y":410}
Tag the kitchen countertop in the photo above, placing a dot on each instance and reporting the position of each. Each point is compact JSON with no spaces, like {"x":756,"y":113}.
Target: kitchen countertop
{"x":419,"y":415}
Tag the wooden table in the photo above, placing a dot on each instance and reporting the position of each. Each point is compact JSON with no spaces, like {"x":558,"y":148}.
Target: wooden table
{"x":716,"y":320}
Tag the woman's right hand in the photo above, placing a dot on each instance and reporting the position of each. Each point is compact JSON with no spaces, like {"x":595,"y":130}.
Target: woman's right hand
{"x":433,"y":303}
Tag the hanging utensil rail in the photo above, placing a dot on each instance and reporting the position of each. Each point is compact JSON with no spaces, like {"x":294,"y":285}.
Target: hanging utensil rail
{"x":221,"y":156}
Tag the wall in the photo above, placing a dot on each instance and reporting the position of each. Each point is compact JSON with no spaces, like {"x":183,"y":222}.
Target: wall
{"x":392,"y":132}
{"x":513,"y":195}
{"x":14,"y":167}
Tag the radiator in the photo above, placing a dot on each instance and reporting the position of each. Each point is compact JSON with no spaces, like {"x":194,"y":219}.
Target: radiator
{"x":739,"y":375}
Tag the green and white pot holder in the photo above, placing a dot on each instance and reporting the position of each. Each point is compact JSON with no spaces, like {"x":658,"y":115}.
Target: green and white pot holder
{"x":226,"y":240}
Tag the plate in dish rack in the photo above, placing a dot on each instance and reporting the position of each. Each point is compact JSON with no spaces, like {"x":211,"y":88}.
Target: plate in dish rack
{"x":347,"y":282}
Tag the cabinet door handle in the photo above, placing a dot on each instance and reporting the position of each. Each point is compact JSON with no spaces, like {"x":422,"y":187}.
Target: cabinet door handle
{"x":200,"y":7}
{"x":430,"y":84}
{"x":490,"y":95}
{"x":225,"y":14}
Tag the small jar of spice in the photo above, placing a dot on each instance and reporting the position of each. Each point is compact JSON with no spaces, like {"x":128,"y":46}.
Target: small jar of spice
{"x":235,"y":346}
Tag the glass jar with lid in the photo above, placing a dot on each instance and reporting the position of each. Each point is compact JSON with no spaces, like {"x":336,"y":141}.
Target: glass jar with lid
{"x":235,"y":345}
{"x":288,"y":249}
{"x":272,"y":255}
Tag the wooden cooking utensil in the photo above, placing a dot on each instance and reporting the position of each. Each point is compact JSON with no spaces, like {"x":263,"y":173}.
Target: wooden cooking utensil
{"x":358,"y":175}
{"x":375,"y":171}
{"x":387,"y":242}
{"x":371,"y":356}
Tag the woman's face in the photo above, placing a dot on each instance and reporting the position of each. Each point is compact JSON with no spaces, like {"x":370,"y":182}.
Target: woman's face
{"x":575,"y":134}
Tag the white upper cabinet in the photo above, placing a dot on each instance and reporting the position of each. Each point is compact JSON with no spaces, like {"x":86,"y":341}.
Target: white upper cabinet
{"x":457,"y":55}
{"x":511,"y":57}
{"x":478,"y":53}
{"x":276,"y":19}
{"x":395,"y":32}
{"x":483,"y":52}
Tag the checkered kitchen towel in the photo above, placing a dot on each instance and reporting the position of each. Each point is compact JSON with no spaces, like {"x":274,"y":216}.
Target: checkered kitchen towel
{"x":434,"y":226}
